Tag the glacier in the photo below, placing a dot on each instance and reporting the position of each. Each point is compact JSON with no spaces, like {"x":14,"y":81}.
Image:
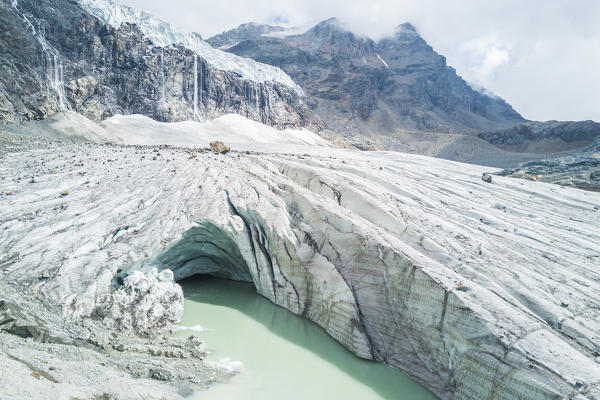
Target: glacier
{"x":475,"y":289}
{"x":163,"y":34}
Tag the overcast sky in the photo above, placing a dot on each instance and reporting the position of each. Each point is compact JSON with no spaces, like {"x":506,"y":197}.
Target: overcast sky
{"x":543,"y":57}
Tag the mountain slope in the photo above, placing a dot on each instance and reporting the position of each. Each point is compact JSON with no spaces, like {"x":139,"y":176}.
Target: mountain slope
{"x":544,"y":137}
{"x":579,"y":168}
{"x":163,"y":34}
{"x":375,"y":88}
{"x":56,"y":56}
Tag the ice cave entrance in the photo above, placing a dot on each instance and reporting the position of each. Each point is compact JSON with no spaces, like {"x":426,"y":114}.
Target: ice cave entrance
{"x":205,"y":249}
{"x":284,"y":356}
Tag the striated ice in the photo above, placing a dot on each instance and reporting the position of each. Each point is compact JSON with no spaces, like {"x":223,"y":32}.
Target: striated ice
{"x":478,"y":290}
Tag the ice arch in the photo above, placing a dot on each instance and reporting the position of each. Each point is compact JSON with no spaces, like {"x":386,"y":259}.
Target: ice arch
{"x":205,"y":249}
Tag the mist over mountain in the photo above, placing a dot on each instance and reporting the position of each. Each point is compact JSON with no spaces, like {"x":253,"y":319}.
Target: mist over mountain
{"x":357,"y":85}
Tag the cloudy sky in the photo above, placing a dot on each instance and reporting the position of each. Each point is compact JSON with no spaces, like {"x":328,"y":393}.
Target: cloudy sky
{"x":542,"y":56}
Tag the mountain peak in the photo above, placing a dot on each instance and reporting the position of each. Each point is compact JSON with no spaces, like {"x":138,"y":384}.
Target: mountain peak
{"x":405,"y":29}
{"x":328,"y":25}
{"x":249,"y":30}
{"x":332,"y":20}
{"x":407,"y":26}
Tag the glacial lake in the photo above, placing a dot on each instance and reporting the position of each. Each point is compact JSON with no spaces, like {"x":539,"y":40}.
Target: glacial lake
{"x":284,"y":356}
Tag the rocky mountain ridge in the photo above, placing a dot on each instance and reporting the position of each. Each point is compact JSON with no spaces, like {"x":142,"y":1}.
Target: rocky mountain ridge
{"x":579,"y":168}
{"x":544,"y":137}
{"x":56,"y":56}
{"x":357,"y":85}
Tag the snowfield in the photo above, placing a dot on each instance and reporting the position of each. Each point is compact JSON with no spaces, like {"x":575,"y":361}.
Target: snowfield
{"x":476,"y":289}
{"x":233,"y":129}
{"x":163,"y":34}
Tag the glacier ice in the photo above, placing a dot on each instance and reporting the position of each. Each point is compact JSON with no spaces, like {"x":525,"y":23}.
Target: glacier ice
{"x":410,"y":260}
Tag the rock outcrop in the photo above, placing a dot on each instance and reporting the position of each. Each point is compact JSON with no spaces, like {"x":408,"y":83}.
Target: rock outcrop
{"x":57,"y":56}
{"x":544,"y":137}
{"x":372,"y":88}
{"x":476,"y":290}
{"x":579,"y":168}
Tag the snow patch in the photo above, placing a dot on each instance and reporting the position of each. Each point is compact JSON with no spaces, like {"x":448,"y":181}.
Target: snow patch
{"x":232,"y":129}
{"x":381,"y":59}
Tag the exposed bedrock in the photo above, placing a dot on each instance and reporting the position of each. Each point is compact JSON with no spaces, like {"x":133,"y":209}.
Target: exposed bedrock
{"x":56,"y":57}
{"x":379,"y":89}
{"x":477,"y":290}
{"x":579,"y":168}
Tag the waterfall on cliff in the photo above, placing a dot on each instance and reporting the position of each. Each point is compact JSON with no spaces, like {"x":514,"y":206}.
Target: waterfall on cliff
{"x":163,"y":96}
{"x":200,"y":89}
{"x":197,"y":114}
{"x":196,"y":86}
{"x":256,"y":95}
{"x":54,"y":66}
{"x":58,"y":83}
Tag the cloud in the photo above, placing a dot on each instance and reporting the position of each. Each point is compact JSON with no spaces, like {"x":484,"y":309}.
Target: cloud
{"x":541,"y":56}
{"x":484,"y":56}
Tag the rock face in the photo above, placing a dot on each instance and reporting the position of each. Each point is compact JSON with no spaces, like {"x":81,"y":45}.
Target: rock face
{"x":409,"y":260}
{"x":243,"y":32}
{"x":57,"y":56}
{"x":544,"y":137}
{"x":579,"y":168}
{"x":374,"y":88}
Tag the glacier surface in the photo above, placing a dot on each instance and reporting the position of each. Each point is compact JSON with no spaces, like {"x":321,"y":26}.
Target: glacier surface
{"x":477,"y":290}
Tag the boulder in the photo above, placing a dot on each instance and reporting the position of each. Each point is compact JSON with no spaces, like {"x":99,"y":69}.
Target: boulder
{"x":486,"y":177}
{"x":219,"y":147}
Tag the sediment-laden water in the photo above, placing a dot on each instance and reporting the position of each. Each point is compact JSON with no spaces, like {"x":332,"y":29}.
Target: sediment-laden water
{"x":284,"y":356}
